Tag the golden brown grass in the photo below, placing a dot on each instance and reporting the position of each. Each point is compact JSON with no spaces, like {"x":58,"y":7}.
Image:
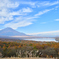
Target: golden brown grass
{"x":26,"y":58}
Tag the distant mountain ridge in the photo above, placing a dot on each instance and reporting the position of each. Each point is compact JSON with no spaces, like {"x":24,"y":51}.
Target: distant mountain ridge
{"x":10,"y":32}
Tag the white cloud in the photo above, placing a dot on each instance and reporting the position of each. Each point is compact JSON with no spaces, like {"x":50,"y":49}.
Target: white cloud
{"x":47,"y":3}
{"x":8,"y":4}
{"x":39,"y":4}
{"x":43,"y":12}
{"x":22,"y":11}
{"x":32,"y":4}
{"x":19,"y":22}
{"x":5,"y":11}
{"x":6,"y":14}
{"x":56,"y":19}
{"x":27,"y":10}
{"x":48,"y":32}
{"x":3,"y":19}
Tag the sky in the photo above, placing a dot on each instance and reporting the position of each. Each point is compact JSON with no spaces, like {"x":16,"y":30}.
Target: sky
{"x":32,"y":17}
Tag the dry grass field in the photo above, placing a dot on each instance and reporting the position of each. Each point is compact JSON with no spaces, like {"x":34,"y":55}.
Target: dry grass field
{"x":26,"y":58}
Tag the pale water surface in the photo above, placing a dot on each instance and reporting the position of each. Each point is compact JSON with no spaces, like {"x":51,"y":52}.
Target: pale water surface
{"x":42,"y":39}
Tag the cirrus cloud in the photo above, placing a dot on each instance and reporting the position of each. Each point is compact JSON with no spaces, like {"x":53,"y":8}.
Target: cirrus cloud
{"x":56,"y":19}
{"x":12,"y":15}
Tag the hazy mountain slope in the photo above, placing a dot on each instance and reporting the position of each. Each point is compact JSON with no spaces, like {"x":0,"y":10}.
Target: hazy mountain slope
{"x":10,"y":32}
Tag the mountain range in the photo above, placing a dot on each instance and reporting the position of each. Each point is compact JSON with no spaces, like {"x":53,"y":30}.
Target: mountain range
{"x":10,"y":32}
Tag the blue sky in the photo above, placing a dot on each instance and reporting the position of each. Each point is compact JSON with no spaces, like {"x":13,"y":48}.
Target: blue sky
{"x":30,"y":16}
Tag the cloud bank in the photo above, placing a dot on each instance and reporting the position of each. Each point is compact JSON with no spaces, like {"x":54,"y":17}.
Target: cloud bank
{"x":46,"y":33}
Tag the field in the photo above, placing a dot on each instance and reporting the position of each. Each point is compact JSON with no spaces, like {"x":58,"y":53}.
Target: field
{"x":26,"y":58}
